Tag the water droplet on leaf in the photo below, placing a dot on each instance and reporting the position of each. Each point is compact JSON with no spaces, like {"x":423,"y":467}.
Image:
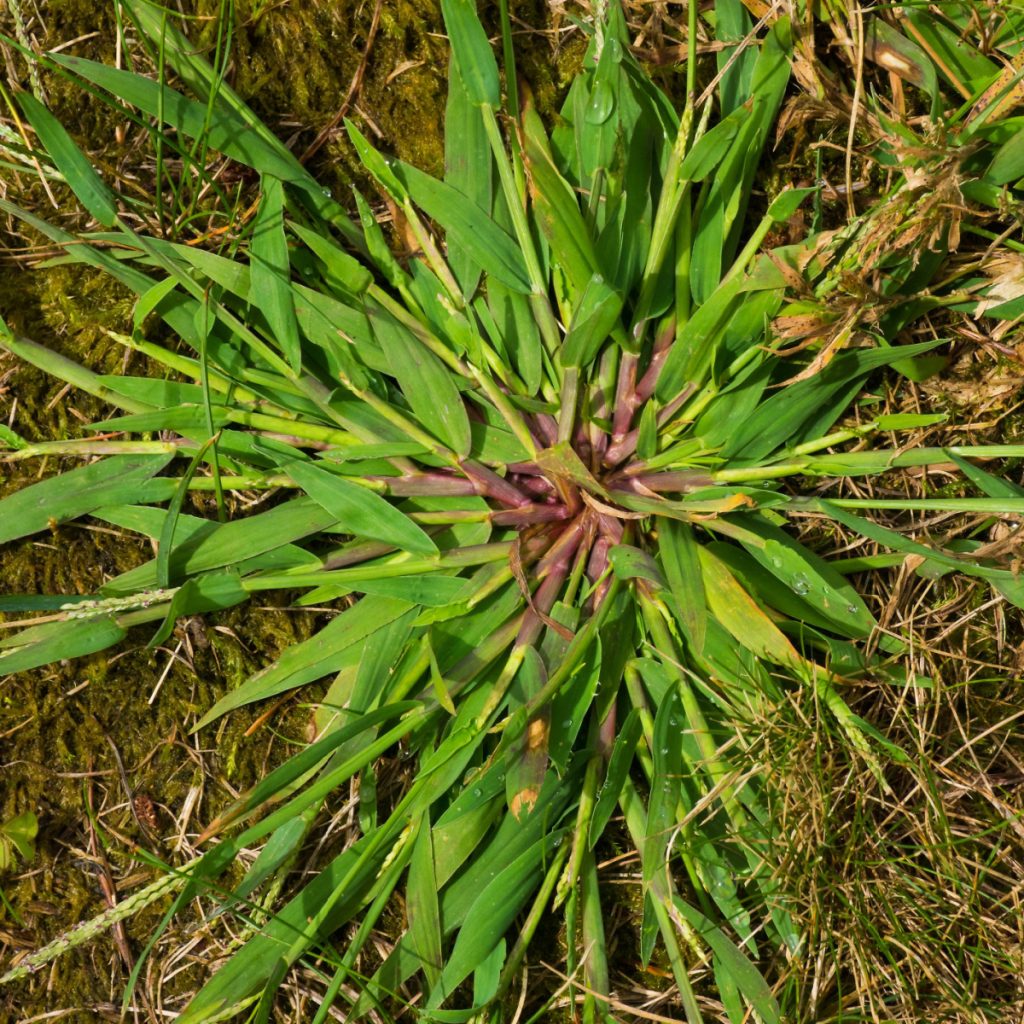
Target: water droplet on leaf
{"x":602,"y":103}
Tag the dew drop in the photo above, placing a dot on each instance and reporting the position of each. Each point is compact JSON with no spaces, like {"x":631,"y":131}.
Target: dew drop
{"x":664,"y":750}
{"x":800,"y":584}
{"x":602,"y":103}
{"x":851,"y":609}
{"x":478,"y":791}
{"x":327,"y":192}
{"x":567,"y":724}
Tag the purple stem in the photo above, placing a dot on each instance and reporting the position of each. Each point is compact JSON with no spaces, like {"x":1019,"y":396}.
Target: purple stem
{"x":426,"y":485}
{"x":596,"y":568}
{"x":649,"y":381}
{"x":624,"y":446}
{"x":358,"y":553}
{"x":625,"y":395}
{"x":536,"y":485}
{"x":543,"y":600}
{"x":559,"y":555}
{"x":611,"y":528}
{"x":545,"y":429}
{"x":678,"y":481}
{"x":530,"y":515}
{"x":489,"y":484}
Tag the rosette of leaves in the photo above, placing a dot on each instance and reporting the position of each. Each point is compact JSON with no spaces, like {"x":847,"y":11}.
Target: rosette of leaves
{"x":545,"y":453}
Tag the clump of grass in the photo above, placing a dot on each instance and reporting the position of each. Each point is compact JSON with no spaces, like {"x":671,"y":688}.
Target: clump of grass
{"x":546,"y":466}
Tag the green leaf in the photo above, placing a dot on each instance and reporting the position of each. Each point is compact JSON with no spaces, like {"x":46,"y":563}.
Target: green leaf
{"x":993,"y":486}
{"x":58,"y":641}
{"x":809,"y":577}
{"x":271,"y":271}
{"x":472,"y":52}
{"x":711,"y":148}
{"x":743,"y":973}
{"x":1008,"y":163}
{"x":212,"y":592}
{"x":468,"y":168}
{"x":619,"y":764}
{"x":163,"y":554}
{"x":557,"y":210}
{"x":786,"y":203}
{"x":341,"y":271}
{"x":491,"y":914}
{"x":629,"y":563}
{"x":19,"y":832}
{"x":426,"y":384}
{"x":681,"y":562}
{"x":65,"y":497}
{"x":422,"y":905}
{"x":467,"y":227}
{"x":320,"y":655}
{"x":740,"y":613}
{"x":230,"y":544}
{"x":596,"y":314}
{"x":813,"y":404}
{"x":223,"y":129}
{"x":149,"y":300}
{"x":72,"y":163}
{"x":359,"y":511}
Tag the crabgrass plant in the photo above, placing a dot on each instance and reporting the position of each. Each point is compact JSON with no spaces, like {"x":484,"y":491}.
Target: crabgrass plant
{"x":545,"y":468}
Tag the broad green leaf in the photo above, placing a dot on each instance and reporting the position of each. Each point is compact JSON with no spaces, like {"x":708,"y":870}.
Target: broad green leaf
{"x":1008,"y":163}
{"x":67,"y":496}
{"x":151,"y":299}
{"x":812,"y":405}
{"x":527,"y":759}
{"x":491,"y":914}
{"x":710,"y":149}
{"x":517,"y":331}
{"x":312,"y":659}
{"x":630,"y":562}
{"x":808,"y":576}
{"x":20,"y":833}
{"x":744,"y":974}
{"x":425,"y":382}
{"x":342,"y":271}
{"x":741,"y":615}
{"x":229,"y":544}
{"x":422,"y":905}
{"x":619,"y":764}
{"x":58,"y":641}
{"x":472,"y":53}
{"x":360,"y":511}
{"x":467,"y":227}
{"x":73,"y":164}
{"x":596,"y":314}
{"x":271,"y":270}
{"x":557,"y":210}
{"x":468,"y":168}
{"x":680,"y":560}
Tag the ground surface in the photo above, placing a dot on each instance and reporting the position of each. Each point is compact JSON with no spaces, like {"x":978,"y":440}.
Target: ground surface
{"x":911,"y":893}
